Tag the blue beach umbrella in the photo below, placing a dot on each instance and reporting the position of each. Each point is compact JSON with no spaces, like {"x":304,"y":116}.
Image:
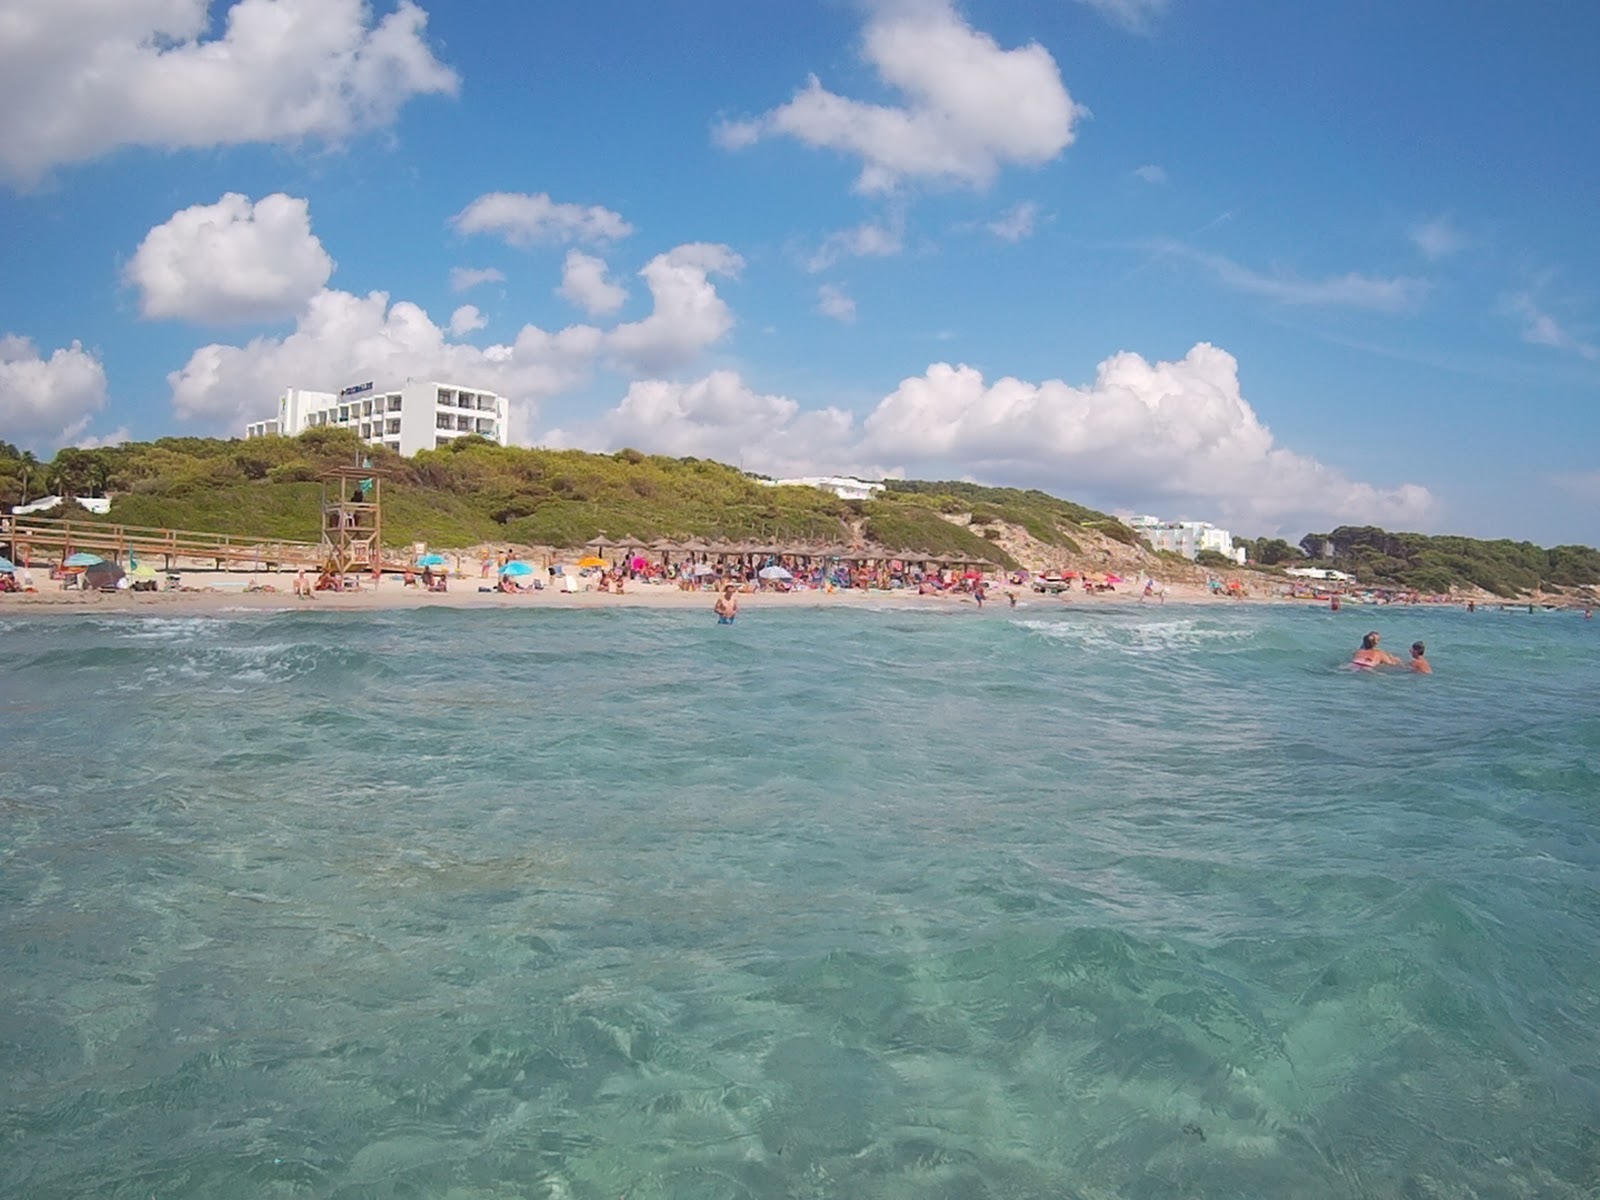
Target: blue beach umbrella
{"x":6,"y":565}
{"x":82,"y":560}
{"x":431,"y":560}
{"x":516,"y":568}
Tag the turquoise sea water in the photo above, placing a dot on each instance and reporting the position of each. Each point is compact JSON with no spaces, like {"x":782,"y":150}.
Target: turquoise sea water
{"x":1148,"y":902}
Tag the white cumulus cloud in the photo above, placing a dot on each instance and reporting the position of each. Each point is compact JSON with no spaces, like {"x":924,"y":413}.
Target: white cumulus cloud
{"x":1151,"y":174}
{"x":584,"y":283}
{"x":79,"y":78}
{"x":340,"y":337}
{"x":689,"y":315}
{"x":1142,"y":434}
{"x":718,"y":417}
{"x":47,"y":400}
{"x":525,"y":220}
{"x":464,"y":279}
{"x":1141,"y":431}
{"x":467,"y":319}
{"x":970,"y":107}
{"x":230,"y":261}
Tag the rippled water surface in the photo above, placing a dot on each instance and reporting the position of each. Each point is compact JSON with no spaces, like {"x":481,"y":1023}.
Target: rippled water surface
{"x":1027,"y":903}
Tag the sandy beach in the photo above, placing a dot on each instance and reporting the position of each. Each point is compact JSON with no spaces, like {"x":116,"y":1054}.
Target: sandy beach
{"x":221,"y":592}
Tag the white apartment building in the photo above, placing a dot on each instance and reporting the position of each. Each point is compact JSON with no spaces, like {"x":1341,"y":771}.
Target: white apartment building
{"x":419,"y":414}
{"x":1187,"y":538}
{"x":842,"y":486}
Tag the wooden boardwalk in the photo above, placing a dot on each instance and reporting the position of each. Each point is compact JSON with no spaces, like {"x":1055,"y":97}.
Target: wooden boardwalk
{"x":42,"y":539}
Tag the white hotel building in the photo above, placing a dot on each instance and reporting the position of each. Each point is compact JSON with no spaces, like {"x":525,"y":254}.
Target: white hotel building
{"x":420,"y":414}
{"x":845,"y":487}
{"x":1187,"y":538}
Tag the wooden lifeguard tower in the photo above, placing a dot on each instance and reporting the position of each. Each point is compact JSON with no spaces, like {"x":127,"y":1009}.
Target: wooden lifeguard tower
{"x":352,"y":519}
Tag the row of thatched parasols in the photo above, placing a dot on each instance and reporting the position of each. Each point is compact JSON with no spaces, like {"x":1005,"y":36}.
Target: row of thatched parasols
{"x":859,"y":554}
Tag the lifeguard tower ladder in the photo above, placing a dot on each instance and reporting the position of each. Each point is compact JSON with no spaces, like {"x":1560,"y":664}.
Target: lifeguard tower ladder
{"x":352,"y":519}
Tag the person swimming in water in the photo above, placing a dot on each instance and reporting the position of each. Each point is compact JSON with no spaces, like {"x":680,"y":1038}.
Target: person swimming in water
{"x":1419,"y":659}
{"x":1369,"y":656}
{"x":726,"y":607}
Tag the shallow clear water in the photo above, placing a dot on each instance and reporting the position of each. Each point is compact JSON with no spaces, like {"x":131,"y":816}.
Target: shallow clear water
{"x":1030,"y":903}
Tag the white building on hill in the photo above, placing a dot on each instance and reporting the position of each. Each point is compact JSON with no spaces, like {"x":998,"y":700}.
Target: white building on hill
{"x":842,"y":486}
{"x":1187,"y":538}
{"x":419,"y":414}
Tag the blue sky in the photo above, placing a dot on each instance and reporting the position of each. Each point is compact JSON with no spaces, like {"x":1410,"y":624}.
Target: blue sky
{"x":1278,"y":266}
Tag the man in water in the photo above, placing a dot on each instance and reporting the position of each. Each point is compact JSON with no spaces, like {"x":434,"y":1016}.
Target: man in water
{"x":726,"y":607}
{"x":1419,"y":660}
{"x":1369,"y":656}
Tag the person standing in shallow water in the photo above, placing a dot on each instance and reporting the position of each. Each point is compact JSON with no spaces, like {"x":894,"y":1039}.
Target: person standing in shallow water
{"x":1419,"y":659}
{"x":1369,"y":656}
{"x":726,"y":607}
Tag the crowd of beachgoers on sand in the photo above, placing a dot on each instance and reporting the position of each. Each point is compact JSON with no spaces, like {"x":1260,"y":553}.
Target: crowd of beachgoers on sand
{"x":690,"y":575}
{"x":649,"y":573}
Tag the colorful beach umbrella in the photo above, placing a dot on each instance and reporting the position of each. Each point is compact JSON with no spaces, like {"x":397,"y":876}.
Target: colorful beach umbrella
{"x":6,"y":565}
{"x":431,"y":560}
{"x":516,"y":568}
{"x":589,"y":560}
{"x":82,"y":559}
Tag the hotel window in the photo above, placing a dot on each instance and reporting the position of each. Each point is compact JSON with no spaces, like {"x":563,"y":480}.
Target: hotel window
{"x":445,"y":421}
{"x":440,"y":443}
{"x":394,"y":403}
{"x":393,"y":427}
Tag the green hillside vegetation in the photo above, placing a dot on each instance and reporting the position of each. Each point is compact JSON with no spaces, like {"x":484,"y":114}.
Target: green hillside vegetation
{"x":1437,"y":563}
{"x":1044,"y":517}
{"x":473,"y":492}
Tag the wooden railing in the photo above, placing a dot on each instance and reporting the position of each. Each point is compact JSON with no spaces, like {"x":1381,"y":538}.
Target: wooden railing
{"x":29,"y":536}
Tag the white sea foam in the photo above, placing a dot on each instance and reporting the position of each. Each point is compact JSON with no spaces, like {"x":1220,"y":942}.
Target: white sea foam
{"x":1149,"y":637}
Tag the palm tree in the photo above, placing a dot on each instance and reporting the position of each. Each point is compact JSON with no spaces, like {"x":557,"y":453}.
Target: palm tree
{"x":28,"y":462}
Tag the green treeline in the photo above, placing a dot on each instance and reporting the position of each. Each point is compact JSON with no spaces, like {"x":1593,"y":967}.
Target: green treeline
{"x":1436,"y":563}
